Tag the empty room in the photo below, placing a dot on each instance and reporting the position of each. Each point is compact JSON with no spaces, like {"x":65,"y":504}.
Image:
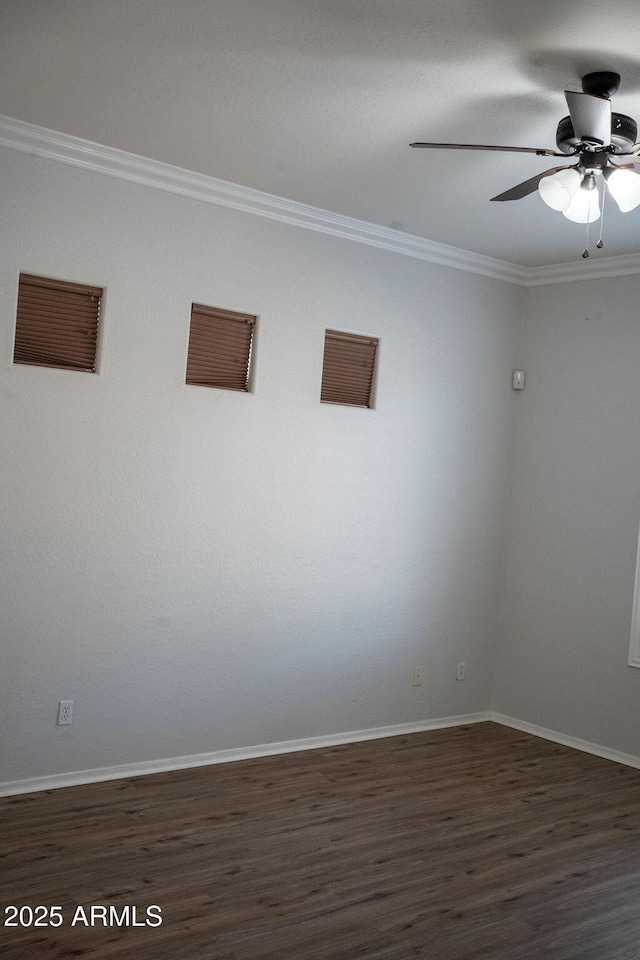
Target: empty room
{"x":320,"y":480}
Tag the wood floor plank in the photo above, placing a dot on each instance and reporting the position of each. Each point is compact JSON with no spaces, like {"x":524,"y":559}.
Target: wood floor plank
{"x":473,"y":843}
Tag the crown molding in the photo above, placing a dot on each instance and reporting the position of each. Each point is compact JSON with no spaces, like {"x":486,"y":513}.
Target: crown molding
{"x":591,"y":269}
{"x":63,"y":148}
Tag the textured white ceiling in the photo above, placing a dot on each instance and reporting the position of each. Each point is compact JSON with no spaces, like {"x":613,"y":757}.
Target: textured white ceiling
{"x":318,"y":100}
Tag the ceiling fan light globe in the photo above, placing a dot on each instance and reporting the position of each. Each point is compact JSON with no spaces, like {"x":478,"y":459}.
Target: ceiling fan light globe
{"x":624,"y":187}
{"x":584,"y":207}
{"x":558,"y":190}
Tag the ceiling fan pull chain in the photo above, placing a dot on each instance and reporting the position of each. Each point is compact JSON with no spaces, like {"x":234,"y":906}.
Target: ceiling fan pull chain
{"x":600,"y":243}
{"x":585,"y":252}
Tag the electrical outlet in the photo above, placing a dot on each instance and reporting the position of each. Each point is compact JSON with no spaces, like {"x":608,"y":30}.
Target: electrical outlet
{"x":417,"y":676}
{"x":460,"y":671}
{"x":65,"y":712}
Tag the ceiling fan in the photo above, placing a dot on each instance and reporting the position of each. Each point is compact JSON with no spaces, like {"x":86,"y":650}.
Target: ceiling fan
{"x":594,"y":136}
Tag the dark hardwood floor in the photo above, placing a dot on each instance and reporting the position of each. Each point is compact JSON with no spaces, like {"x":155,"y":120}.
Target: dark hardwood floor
{"x":473,"y":843}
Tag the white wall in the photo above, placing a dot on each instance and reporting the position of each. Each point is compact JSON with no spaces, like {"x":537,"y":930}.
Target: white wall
{"x":199,"y":569}
{"x":573,"y":517}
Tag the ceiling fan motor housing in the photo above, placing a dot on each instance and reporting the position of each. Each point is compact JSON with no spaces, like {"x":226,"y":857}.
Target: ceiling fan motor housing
{"x":624,"y":133}
{"x":602,"y":83}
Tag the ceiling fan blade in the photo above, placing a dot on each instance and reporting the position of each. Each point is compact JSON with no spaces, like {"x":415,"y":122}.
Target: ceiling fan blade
{"x":590,"y":116}
{"x":483,"y":146}
{"x":528,"y":186}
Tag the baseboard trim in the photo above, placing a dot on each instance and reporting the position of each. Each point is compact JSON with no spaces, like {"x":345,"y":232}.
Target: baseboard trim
{"x":96,"y":775}
{"x":628,"y":759}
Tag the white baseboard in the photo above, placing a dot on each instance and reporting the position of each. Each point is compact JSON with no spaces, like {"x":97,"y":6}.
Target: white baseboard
{"x":628,"y":759}
{"x":79,"y":777}
{"x":96,"y":775}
